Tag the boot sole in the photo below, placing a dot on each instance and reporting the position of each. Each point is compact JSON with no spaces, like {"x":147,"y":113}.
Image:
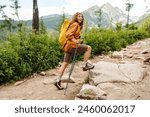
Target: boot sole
{"x":58,"y":87}
{"x":85,"y":69}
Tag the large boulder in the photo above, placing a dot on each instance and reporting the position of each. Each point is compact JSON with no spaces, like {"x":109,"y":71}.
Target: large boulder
{"x":112,"y":72}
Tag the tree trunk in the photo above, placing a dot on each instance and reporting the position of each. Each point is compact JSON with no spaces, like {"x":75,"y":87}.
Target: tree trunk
{"x":35,"y":21}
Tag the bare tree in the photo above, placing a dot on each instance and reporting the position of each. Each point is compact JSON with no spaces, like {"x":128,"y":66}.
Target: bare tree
{"x":147,"y":12}
{"x":7,"y":22}
{"x":147,"y":8}
{"x":99,"y":14}
{"x":62,"y":19}
{"x":128,"y":8}
{"x":35,"y":21}
{"x":15,"y":6}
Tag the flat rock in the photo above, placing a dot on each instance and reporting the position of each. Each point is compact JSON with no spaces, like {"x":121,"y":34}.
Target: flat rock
{"x":112,"y":72}
{"x":108,"y":86}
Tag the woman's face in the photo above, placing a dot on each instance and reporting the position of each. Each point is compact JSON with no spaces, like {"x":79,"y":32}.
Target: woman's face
{"x":80,"y":18}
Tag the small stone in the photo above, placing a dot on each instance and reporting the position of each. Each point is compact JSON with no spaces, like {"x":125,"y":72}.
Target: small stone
{"x":138,"y":57}
{"x":19,"y":83}
{"x":42,"y":73}
{"x":117,"y":54}
{"x":145,"y":51}
{"x":122,"y":62}
{"x":147,"y":60}
{"x":124,"y":49}
{"x":144,"y":66}
{"x":129,"y":55}
{"x":101,"y":57}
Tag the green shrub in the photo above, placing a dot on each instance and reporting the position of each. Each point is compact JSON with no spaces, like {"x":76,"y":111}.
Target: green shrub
{"x":145,"y":24}
{"x":103,"y":41}
{"x":39,"y":53}
{"x":25,"y":53}
{"x":8,"y":62}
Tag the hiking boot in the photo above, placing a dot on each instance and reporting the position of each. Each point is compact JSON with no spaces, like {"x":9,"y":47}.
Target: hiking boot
{"x":88,"y":66}
{"x":57,"y":83}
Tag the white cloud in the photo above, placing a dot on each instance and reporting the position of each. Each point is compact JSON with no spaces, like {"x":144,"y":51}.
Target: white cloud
{"x":72,"y":1}
{"x":25,"y":14}
{"x":50,"y":10}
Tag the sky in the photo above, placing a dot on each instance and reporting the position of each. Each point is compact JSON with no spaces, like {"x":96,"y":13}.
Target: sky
{"x":47,"y":7}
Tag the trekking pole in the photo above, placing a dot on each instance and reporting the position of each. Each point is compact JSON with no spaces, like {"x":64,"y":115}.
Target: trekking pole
{"x":71,"y":69}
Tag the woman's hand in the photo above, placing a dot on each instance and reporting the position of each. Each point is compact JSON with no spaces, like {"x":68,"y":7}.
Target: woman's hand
{"x":81,"y":41}
{"x":78,"y":41}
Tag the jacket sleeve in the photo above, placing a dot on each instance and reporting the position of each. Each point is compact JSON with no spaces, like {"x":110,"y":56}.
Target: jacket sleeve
{"x":70,"y":34}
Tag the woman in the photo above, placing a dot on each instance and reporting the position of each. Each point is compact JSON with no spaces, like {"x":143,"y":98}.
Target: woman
{"x":73,"y":36}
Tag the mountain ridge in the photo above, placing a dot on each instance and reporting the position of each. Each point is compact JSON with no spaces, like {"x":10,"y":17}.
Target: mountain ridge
{"x":110,"y":16}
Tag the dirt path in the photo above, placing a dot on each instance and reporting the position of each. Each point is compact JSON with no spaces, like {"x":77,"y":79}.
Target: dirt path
{"x":41,"y":87}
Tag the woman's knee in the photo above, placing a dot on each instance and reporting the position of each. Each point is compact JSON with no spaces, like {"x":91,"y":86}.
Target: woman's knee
{"x":65,"y":63}
{"x":89,"y":48}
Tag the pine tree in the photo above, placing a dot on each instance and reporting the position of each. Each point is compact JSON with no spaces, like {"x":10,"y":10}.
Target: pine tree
{"x":43,"y":29}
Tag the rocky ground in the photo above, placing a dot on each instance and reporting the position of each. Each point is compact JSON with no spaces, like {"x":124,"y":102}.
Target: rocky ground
{"x":40,"y":86}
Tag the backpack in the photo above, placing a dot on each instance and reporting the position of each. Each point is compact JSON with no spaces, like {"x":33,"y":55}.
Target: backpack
{"x":62,"y":36}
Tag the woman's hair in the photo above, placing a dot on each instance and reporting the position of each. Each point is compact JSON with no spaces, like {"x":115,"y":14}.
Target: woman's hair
{"x":74,"y":19}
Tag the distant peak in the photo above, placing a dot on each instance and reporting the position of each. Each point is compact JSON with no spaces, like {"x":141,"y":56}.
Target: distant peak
{"x":94,"y":7}
{"x":107,"y":5}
